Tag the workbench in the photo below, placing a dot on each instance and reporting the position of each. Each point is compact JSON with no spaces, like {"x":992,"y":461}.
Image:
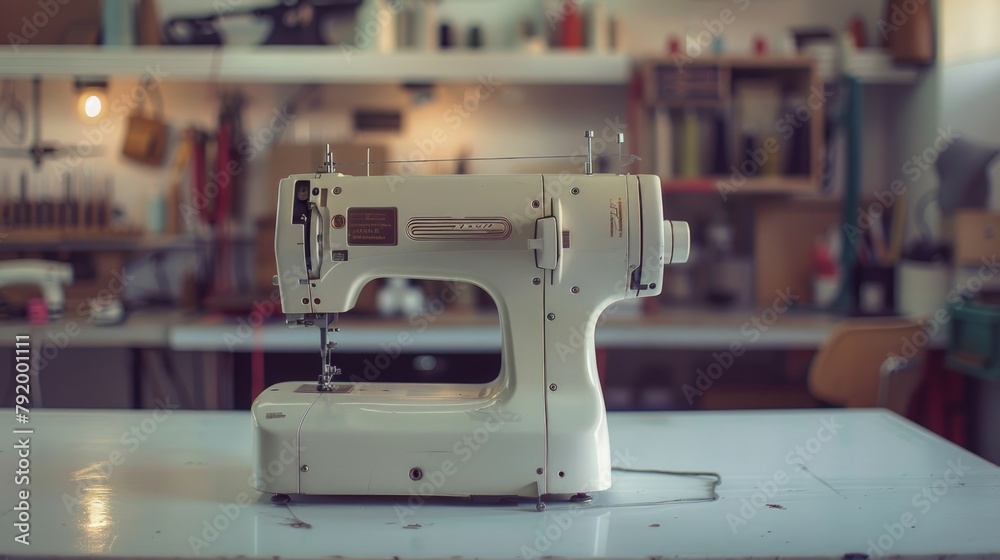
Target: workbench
{"x":690,"y":329}
{"x":822,"y":484}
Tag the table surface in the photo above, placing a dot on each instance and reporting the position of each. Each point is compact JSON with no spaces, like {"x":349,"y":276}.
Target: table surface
{"x":822,"y":484}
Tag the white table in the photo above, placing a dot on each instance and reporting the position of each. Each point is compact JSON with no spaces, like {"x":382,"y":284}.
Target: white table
{"x":189,"y":469}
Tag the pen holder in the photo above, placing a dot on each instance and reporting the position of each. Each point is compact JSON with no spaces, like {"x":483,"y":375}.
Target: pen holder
{"x":875,"y":290}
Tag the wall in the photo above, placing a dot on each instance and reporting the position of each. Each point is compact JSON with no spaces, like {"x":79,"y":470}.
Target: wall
{"x":549,"y":120}
{"x":968,"y":30}
{"x":969,"y":102}
{"x":970,"y":78}
{"x":515,"y":120}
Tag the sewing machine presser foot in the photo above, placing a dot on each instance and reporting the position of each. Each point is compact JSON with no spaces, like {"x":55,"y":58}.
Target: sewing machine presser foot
{"x":325,"y":383}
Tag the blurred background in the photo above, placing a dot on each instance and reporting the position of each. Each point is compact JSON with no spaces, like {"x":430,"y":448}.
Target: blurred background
{"x":836,"y":162}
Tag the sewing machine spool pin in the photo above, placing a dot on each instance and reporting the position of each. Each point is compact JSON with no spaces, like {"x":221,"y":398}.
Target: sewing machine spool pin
{"x":621,"y":142}
{"x":328,"y":163}
{"x":588,"y":167}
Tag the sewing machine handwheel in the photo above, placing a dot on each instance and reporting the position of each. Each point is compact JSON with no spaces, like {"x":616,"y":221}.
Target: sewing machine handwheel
{"x":280,"y":499}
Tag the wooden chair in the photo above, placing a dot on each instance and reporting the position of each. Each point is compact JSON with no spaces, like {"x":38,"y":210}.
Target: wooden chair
{"x":864,"y":364}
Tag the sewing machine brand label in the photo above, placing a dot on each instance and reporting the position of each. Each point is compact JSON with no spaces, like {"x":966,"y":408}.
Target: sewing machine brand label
{"x":458,"y":229}
{"x":616,"y":218}
{"x":371,"y":226}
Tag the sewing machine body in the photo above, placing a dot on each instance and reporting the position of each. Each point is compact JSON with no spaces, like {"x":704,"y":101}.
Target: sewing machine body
{"x":49,"y":276}
{"x":552,"y":251}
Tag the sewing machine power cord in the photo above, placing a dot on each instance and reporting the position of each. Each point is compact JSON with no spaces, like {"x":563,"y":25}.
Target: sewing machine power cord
{"x":695,"y":474}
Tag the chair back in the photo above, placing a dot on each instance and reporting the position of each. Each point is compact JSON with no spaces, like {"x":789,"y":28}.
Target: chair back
{"x":868,"y":363}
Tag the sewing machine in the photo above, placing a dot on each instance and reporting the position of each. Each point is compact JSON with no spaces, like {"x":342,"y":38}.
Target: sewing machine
{"x":49,"y":276}
{"x":552,"y":250}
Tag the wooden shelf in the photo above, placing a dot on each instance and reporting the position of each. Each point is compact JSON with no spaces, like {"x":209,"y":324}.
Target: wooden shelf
{"x":777,"y":184}
{"x":667,"y":134}
{"x":84,"y":240}
{"x":332,"y":64}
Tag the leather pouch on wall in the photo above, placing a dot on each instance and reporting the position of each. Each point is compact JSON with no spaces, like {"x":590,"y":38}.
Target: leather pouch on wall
{"x":146,"y":135}
{"x":912,"y":40}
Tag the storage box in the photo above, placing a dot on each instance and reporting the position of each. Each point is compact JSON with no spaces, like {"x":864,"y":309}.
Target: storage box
{"x":974,"y":339}
{"x":977,"y":235}
{"x":56,"y":23}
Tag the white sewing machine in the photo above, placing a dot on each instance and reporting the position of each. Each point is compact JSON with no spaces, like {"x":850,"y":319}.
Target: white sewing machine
{"x":552,"y":250}
{"x":49,"y":276}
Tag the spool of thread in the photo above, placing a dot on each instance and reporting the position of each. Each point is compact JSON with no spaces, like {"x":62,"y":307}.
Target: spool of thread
{"x":38,"y":312}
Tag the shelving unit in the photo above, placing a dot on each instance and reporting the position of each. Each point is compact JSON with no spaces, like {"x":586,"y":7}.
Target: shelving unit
{"x":332,"y":64}
{"x":672,"y":93}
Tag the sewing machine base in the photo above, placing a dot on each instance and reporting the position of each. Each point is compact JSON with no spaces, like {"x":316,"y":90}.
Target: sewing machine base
{"x":281,"y":499}
{"x":397,"y":439}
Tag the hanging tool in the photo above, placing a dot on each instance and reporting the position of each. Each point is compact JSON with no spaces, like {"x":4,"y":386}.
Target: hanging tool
{"x":13,"y":123}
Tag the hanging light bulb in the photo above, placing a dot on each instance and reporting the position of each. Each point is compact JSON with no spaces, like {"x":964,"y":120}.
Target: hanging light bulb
{"x":92,"y":99}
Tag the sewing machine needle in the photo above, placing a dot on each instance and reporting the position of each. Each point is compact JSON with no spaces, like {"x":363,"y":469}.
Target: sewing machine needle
{"x":326,"y":352}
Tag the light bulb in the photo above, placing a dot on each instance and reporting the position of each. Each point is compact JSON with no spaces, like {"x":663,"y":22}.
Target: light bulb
{"x":92,"y":106}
